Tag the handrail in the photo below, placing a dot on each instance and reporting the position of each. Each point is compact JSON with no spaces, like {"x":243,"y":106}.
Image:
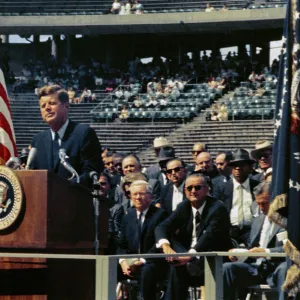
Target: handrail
{"x":106,"y":275}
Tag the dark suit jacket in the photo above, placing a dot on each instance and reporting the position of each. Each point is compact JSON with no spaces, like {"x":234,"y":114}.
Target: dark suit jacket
{"x":167,"y":197}
{"x":120,"y":197}
{"x":128,"y":243}
{"x":115,"y":218}
{"x":154,"y":172}
{"x":214,"y":227}
{"x":82,"y":147}
{"x":224,"y":192}
{"x":259,"y":177}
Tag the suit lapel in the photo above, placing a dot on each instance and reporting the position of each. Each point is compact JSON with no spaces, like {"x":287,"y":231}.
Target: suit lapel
{"x":49,"y":149}
{"x":204,"y":216}
{"x":256,"y":230}
{"x":229,"y":191}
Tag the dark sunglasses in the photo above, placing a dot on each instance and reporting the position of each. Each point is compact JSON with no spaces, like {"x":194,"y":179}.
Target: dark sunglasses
{"x":102,"y":183}
{"x":176,"y":170}
{"x":264,"y":155}
{"x":196,"y":187}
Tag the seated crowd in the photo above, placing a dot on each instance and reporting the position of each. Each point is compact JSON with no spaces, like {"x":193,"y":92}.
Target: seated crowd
{"x":211,"y":205}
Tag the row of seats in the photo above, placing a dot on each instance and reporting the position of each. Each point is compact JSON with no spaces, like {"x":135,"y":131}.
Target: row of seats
{"x":133,"y":115}
{"x":28,"y":8}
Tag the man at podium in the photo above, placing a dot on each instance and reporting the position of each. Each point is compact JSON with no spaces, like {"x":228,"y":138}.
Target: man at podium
{"x":83,"y":150}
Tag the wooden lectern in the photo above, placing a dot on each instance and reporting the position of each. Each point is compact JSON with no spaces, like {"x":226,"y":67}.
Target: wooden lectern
{"x":58,"y":217}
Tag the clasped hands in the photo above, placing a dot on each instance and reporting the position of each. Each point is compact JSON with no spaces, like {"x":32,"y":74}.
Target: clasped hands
{"x":176,"y":261}
{"x":131,"y":270}
{"x":252,"y":250}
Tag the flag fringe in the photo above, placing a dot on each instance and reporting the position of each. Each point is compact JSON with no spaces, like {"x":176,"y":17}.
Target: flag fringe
{"x":274,"y":215}
{"x":292,"y":281}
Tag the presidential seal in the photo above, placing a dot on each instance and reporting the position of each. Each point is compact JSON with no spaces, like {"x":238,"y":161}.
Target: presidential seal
{"x":11,"y":197}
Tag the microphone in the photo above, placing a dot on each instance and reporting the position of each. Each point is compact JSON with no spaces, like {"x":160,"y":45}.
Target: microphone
{"x":63,"y":156}
{"x":94,"y":176}
{"x":31,"y":157}
{"x":13,"y":163}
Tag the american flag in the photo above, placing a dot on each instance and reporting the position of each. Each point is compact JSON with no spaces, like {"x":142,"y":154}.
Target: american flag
{"x":7,"y":136}
{"x":285,"y":208}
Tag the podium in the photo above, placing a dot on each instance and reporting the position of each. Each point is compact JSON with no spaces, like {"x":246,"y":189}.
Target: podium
{"x":56,"y":217}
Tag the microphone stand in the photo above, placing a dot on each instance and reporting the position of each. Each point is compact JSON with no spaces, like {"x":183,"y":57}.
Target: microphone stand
{"x":96,"y":212}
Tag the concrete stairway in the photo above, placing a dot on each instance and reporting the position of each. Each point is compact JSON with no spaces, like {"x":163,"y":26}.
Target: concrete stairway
{"x":218,"y":136}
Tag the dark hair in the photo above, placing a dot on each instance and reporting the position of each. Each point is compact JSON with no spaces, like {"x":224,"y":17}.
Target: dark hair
{"x":177,"y":159}
{"x":119,"y":155}
{"x":135,"y":157}
{"x":103,"y":174}
{"x":62,"y":94}
{"x":228,"y":155}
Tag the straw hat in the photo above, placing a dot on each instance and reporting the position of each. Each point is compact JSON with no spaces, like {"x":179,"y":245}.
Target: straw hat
{"x":261,"y":146}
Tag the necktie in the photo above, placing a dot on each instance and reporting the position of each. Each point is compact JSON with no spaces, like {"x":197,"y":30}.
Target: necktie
{"x":240,"y":207}
{"x":139,"y":231}
{"x":55,"y":149}
{"x":197,"y":222}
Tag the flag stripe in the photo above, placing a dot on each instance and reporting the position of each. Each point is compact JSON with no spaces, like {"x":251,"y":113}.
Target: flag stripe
{"x":7,"y":136}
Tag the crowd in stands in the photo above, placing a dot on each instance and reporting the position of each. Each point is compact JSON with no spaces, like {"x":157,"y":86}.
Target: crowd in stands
{"x":216,"y":204}
{"x":128,"y":8}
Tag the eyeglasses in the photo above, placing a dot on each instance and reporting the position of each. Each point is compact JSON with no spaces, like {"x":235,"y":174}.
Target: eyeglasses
{"x":196,"y":187}
{"x":264,"y":155}
{"x":102,"y":183}
{"x":196,"y":152}
{"x":176,"y":170}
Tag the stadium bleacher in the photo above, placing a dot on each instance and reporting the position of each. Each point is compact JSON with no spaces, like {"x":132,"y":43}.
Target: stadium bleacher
{"x":97,"y":7}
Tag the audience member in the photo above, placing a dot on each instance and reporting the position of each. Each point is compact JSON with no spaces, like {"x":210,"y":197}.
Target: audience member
{"x":222,"y":160}
{"x":209,"y":8}
{"x":116,"y":6}
{"x":173,"y":192}
{"x":237,"y":195}
{"x":124,"y":114}
{"x":263,"y":238}
{"x":222,"y":113}
{"x":263,"y":155}
{"x":199,"y":224}
{"x":137,"y":236}
{"x":131,"y":164}
{"x":205,"y":166}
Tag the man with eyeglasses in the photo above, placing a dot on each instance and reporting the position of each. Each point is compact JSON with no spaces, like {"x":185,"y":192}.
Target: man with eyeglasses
{"x":173,"y":192}
{"x":137,"y":237}
{"x":263,"y":155}
{"x":199,"y":224}
{"x":197,"y":149}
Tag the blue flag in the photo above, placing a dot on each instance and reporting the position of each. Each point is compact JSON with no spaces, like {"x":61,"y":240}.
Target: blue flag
{"x":285,"y":208}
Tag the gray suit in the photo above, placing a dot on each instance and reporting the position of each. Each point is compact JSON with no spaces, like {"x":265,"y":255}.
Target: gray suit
{"x":240,"y":275}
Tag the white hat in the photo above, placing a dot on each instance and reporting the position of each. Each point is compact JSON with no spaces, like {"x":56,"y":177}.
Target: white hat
{"x":260,"y":146}
{"x":160,"y":142}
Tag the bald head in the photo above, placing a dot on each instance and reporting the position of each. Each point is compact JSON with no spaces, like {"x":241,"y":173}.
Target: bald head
{"x":197,"y":149}
{"x":204,"y":162}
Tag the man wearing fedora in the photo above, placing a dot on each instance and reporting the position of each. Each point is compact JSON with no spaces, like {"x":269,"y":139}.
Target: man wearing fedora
{"x":154,"y":171}
{"x":173,"y":192}
{"x":263,"y":155}
{"x":165,"y":154}
{"x":237,"y":195}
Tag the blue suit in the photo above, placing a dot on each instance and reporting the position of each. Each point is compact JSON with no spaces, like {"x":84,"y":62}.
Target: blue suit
{"x":241,"y":275}
{"x":82,"y":147}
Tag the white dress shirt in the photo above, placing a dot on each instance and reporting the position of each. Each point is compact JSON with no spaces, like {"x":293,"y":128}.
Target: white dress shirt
{"x":61,"y":132}
{"x":247,"y":202}
{"x":177,"y":195}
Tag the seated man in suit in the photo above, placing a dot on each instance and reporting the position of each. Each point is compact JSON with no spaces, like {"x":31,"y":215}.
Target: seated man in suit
{"x":173,"y":192}
{"x":237,"y":195}
{"x":197,"y":225}
{"x":137,"y":236}
{"x":263,"y":155}
{"x":131,"y":164}
{"x":80,"y":141}
{"x":222,"y":160}
{"x":263,"y":238}
{"x":158,"y":171}
{"x":197,"y":149}
{"x":116,"y":212}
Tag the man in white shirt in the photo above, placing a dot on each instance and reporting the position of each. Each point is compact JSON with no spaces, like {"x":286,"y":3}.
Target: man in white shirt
{"x":197,"y":225}
{"x":237,"y":195}
{"x":137,"y":236}
{"x":263,"y":238}
{"x":173,"y":192}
